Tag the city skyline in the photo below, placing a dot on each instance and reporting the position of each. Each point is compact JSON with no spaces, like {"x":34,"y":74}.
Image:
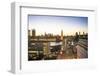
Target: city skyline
{"x":54,"y":24}
{"x":31,"y":33}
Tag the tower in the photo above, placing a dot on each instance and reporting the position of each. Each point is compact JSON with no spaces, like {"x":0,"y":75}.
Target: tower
{"x":28,"y":32}
{"x":61,"y":34}
{"x":62,"y":47}
{"x":33,"y":32}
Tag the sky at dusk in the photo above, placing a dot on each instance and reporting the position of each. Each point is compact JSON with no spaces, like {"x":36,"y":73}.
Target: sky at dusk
{"x":54,"y":24}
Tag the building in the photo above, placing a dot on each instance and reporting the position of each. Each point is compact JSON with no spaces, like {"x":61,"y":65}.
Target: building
{"x":28,"y":32}
{"x":61,"y":34}
{"x":62,"y":47}
{"x":33,"y":33}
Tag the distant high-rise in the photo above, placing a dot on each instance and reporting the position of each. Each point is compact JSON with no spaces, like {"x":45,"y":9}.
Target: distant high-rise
{"x":28,"y":32}
{"x":79,"y":33}
{"x":62,"y":47}
{"x":61,"y":34}
{"x":33,"y":32}
{"x":83,"y":33}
